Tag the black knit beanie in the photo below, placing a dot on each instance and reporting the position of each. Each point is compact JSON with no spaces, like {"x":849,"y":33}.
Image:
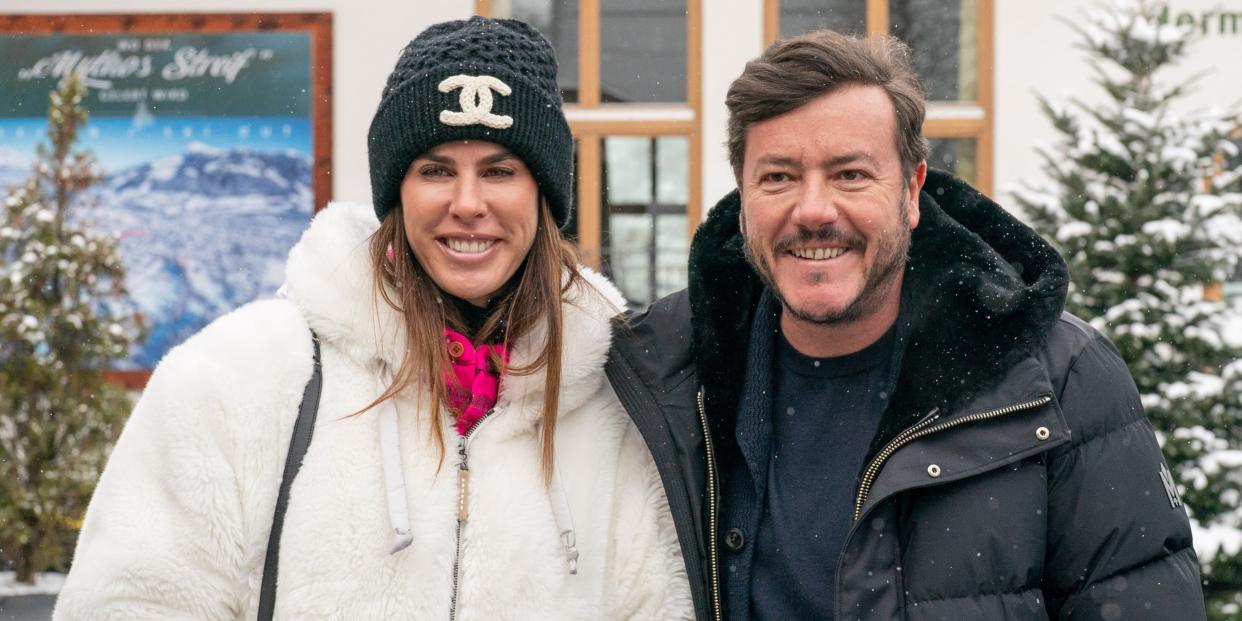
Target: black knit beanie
{"x":480,"y":79}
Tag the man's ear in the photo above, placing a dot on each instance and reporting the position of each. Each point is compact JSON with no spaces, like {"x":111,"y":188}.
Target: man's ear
{"x":914,"y":186}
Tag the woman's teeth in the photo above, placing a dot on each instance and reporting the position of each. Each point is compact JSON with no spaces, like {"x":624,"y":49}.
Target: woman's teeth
{"x":468,"y":246}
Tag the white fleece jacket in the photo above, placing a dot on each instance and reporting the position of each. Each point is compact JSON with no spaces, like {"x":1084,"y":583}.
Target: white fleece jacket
{"x":179,"y":524}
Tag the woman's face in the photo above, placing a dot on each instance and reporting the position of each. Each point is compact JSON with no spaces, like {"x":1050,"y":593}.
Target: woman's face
{"x":470,"y":210}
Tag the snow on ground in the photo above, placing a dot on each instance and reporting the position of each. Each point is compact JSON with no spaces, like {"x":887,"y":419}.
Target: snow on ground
{"x":45,"y":584}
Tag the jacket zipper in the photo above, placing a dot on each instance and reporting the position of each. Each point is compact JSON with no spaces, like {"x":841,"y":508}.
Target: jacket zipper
{"x":463,"y":510}
{"x":711,"y":508}
{"x":921,"y":430}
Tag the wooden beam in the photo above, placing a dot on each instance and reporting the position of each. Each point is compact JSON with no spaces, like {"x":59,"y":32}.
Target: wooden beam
{"x":631,"y":128}
{"x":590,"y":208}
{"x":771,"y":21}
{"x":483,"y":7}
{"x":694,"y":95}
{"x":954,"y":128}
{"x":985,"y":83}
{"x":321,"y":109}
{"x":588,"y":53}
{"x":877,"y":17}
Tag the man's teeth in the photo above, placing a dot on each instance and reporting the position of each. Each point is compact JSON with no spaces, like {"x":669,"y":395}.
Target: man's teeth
{"x":817,"y":254}
{"x":468,"y":246}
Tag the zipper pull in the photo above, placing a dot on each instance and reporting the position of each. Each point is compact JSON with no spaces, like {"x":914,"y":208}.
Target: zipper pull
{"x":933,"y":414}
{"x":463,"y":481}
{"x":463,"y":493}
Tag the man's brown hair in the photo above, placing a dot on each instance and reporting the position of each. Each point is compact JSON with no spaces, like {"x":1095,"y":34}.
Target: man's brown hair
{"x":793,"y":71}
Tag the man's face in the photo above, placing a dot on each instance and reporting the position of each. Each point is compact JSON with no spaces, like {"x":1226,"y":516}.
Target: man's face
{"x":826,"y":211}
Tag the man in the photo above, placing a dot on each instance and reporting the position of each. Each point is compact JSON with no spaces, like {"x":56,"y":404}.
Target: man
{"x":869,"y":403}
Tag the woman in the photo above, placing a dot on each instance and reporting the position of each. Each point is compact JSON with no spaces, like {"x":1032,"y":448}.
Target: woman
{"x":469,"y":459}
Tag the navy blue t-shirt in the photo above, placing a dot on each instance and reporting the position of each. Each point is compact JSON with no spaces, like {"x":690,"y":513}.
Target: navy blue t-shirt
{"x":825,"y":412}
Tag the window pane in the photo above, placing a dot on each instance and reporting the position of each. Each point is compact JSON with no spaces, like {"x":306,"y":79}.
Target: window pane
{"x":673,"y":158}
{"x":628,"y":255}
{"x":942,"y":34}
{"x":672,"y":254}
{"x":956,"y":155}
{"x":558,"y":21}
{"x":803,"y":16}
{"x":644,"y":239}
{"x":628,"y":159}
{"x":642,"y":50}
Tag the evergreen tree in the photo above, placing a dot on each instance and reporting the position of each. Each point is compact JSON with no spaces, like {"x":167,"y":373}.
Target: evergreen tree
{"x":1141,"y":204}
{"x":62,"y":321}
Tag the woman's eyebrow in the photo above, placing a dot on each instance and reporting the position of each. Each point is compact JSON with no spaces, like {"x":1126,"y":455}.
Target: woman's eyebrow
{"x":498,"y":156}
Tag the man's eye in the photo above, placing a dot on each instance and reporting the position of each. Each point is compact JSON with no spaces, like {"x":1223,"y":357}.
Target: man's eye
{"x":433,"y":171}
{"x":853,"y":175}
{"x":776,"y":177}
{"x":498,"y":172}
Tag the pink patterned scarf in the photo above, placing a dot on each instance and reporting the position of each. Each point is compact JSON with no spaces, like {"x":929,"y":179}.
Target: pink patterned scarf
{"x":474,"y":382}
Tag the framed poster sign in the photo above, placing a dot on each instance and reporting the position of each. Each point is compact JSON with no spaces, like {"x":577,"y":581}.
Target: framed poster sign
{"x":213,"y":135}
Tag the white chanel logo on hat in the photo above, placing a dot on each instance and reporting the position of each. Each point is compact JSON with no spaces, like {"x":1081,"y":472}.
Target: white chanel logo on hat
{"x":476,"y":101}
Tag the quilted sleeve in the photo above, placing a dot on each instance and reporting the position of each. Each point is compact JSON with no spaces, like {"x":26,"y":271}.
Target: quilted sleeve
{"x":1119,"y":540}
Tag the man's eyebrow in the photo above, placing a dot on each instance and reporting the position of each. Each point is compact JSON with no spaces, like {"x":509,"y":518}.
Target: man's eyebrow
{"x":777,"y":160}
{"x":848,"y":158}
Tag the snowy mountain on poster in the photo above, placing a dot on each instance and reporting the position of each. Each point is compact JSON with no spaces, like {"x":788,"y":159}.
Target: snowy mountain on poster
{"x":14,"y":168}
{"x":201,"y":233}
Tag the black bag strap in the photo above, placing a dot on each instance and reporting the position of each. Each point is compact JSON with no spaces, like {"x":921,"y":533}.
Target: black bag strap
{"x":302,"y":431}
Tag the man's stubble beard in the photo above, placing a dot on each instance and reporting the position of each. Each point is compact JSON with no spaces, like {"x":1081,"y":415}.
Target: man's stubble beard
{"x":891,"y":259}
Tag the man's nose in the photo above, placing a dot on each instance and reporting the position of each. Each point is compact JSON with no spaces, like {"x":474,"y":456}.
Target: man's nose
{"x":817,"y":204}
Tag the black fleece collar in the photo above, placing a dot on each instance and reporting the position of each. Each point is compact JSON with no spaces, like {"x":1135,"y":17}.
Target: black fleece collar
{"x":983,"y":288}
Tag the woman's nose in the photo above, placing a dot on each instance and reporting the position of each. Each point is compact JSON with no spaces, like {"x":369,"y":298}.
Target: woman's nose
{"x":468,"y":199}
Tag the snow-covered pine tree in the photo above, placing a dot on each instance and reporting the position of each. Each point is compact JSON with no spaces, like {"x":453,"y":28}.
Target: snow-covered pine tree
{"x":62,"y":321}
{"x":1139,"y":201}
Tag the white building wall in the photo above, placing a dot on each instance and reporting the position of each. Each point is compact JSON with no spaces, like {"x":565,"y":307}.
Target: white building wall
{"x":1036,"y":54}
{"x":732,"y":35}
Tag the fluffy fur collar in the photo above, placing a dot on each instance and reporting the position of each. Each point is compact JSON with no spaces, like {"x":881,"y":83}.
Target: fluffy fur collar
{"x":329,"y":279}
{"x":984,"y":291}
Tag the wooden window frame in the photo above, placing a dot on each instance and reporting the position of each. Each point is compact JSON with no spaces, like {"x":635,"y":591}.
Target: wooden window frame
{"x":971,"y":119}
{"x":591,"y":121}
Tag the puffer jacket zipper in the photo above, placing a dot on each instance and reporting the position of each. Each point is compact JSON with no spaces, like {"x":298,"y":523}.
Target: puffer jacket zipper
{"x":921,"y":429}
{"x":463,"y":503}
{"x":712,"y":493}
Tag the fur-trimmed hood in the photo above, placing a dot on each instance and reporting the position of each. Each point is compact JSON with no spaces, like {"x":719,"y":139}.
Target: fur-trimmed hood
{"x":984,"y":291}
{"x":329,"y":279}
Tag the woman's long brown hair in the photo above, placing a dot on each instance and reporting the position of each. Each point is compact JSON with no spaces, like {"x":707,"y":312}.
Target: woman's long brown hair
{"x":549,"y":271}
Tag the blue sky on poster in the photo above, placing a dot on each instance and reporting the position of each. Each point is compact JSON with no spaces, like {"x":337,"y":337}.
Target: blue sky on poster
{"x":119,"y":143}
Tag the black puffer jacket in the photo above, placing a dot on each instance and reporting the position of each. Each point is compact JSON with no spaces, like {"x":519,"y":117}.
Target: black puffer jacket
{"x":1014,"y":475}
